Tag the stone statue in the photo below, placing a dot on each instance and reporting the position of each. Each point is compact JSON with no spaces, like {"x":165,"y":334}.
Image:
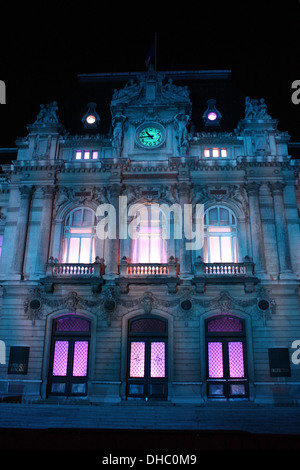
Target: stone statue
{"x":255,"y":109}
{"x":182,"y":121}
{"x":47,"y":115}
{"x":117,"y":140}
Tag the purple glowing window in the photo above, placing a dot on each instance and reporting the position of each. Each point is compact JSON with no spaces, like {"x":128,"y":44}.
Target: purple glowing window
{"x":224,"y":324}
{"x":236,"y":359}
{"x":72,"y":324}
{"x":137,"y":359}
{"x":80,"y":359}
{"x":148,"y":325}
{"x":215,"y":360}
{"x":158,"y":359}
{"x":60,"y":360}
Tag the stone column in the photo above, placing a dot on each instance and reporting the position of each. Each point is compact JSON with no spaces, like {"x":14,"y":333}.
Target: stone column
{"x":283,"y":248}
{"x":112,"y":245}
{"x":268,"y":224}
{"x":45,"y":230}
{"x":21,"y":230}
{"x":185,"y":258}
{"x":256,"y":231}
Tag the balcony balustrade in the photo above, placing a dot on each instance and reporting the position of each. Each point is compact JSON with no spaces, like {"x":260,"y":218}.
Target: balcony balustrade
{"x":141,"y":273}
{"x":149,"y":269}
{"x":74,"y":273}
{"x":214,"y":273}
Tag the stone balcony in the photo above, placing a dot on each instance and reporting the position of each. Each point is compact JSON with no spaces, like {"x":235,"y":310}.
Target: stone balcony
{"x":74,"y":273}
{"x":225,"y":273}
{"x":148,"y":273}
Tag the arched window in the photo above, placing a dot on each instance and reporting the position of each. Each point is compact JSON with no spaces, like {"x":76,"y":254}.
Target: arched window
{"x":150,"y":246}
{"x":220,"y":241}
{"x":79,"y":236}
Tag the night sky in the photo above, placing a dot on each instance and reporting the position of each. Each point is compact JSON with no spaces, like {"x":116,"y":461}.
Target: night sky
{"x":42,"y":56}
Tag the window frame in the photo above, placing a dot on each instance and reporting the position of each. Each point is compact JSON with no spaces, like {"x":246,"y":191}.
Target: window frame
{"x":226,"y":337}
{"x":232,"y":234}
{"x":136,"y":243}
{"x":67,"y":236}
{"x":210,"y":152}
{"x":82,"y":152}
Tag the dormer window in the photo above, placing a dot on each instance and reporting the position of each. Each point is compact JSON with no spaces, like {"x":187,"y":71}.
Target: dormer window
{"x":86,"y":155}
{"x":215,"y":152}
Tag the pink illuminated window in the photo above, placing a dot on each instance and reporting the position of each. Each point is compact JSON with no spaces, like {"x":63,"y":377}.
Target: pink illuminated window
{"x":149,"y":246}
{"x":60,"y":360}
{"x":220,"y":228}
{"x":215,"y":360}
{"x":72,"y":324}
{"x":157,"y":359}
{"x":224,"y":324}
{"x":227,"y":375}
{"x":80,"y":234}
{"x":236,"y":359}
{"x":137,"y":359}
{"x":86,"y":155}
{"x":80,"y":358}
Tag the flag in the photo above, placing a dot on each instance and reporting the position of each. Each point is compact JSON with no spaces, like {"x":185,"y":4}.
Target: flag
{"x":150,"y":54}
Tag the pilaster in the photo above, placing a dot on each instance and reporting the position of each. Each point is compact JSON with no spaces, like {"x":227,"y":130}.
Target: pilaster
{"x":21,"y":231}
{"x":256,"y":227}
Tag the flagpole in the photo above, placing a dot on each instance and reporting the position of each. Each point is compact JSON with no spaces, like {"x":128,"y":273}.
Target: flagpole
{"x":155,"y":54}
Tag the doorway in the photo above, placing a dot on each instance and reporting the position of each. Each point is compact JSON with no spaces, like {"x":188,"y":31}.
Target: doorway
{"x":227,"y":377}
{"x":68,"y":371}
{"x":147,"y":375}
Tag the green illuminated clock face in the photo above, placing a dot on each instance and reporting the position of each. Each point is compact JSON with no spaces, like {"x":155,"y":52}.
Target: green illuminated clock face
{"x":150,"y":136}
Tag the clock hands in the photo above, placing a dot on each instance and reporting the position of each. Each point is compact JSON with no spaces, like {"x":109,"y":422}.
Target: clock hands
{"x":149,"y":135}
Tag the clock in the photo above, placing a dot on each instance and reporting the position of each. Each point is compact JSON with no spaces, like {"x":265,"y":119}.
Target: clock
{"x":150,"y":135}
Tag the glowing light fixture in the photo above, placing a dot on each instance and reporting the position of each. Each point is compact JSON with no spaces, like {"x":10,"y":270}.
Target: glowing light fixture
{"x":212,"y":116}
{"x":91,"y":119}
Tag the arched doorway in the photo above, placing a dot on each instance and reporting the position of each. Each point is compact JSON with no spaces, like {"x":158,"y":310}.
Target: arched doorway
{"x":68,"y":369}
{"x":227,"y":376}
{"x":147,"y":375}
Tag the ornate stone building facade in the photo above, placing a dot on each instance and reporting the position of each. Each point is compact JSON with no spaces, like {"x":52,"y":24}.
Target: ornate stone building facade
{"x":124,"y":318}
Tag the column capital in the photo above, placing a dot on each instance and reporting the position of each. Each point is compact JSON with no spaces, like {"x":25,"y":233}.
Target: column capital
{"x":277,"y":187}
{"x":114,"y":190}
{"x":26,"y":192}
{"x":184,"y":188}
{"x":48,"y":191}
{"x":252,"y":188}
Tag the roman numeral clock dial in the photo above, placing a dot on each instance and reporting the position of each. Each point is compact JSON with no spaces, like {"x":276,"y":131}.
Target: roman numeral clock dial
{"x":150,"y":136}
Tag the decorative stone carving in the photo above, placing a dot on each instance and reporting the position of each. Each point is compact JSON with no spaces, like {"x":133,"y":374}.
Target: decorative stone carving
{"x":260,"y":307}
{"x":181,"y":121}
{"x":266,"y":306}
{"x":117,"y":140}
{"x":159,"y":194}
{"x":47,"y":114}
{"x":255,"y":109}
{"x":80,"y":196}
{"x":34,"y":306}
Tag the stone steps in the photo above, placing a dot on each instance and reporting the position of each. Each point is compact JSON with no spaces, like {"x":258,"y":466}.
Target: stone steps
{"x":257,"y":419}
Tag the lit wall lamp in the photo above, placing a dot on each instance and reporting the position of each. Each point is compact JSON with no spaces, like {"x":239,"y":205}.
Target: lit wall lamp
{"x":91,"y":119}
{"x":212,"y":116}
